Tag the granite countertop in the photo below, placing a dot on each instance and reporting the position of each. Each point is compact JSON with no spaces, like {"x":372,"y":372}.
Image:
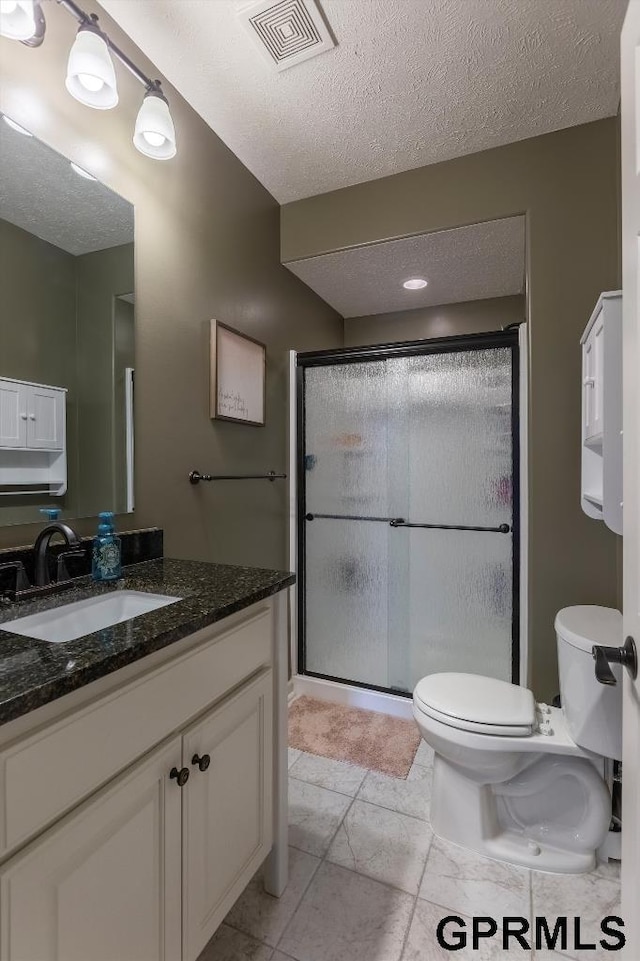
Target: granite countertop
{"x":33,"y":672}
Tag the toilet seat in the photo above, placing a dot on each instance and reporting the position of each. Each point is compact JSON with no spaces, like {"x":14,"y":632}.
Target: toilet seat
{"x":471,"y":702}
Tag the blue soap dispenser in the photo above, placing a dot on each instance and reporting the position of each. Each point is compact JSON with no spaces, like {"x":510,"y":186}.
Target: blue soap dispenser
{"x":106,"y":562}
{"x":51,"y":513}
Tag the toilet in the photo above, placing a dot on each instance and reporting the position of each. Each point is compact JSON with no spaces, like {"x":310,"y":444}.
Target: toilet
{"x":519,"y":781}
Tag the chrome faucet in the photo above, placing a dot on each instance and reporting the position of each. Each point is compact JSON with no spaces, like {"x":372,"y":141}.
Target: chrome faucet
{"x":41,"y":549}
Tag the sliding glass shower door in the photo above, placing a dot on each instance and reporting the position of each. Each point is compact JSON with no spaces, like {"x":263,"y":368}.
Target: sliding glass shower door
{"x":408,"y":535}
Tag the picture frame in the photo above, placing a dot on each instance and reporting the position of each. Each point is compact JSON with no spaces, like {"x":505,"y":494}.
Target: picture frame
{"x":238,"y":376}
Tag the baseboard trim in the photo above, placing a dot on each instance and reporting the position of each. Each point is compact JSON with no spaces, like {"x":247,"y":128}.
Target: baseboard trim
{"x":338,"y":693}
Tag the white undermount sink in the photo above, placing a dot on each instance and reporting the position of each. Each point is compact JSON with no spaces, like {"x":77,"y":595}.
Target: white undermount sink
{"x":74,"y":620}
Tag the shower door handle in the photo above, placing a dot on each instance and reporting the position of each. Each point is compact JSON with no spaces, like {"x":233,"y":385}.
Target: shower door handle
{"x":400,"y":522}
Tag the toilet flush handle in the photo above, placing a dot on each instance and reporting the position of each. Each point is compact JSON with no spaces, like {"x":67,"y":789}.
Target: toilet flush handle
{"x":626,"y":655}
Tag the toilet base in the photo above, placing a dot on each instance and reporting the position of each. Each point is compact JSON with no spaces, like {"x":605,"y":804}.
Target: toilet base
{"x":475,"y":817}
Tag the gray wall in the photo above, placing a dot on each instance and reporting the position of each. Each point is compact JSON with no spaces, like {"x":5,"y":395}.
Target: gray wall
{"x":470,"y":317}
{"x":207,"y":246}
{"x":566,"y":184}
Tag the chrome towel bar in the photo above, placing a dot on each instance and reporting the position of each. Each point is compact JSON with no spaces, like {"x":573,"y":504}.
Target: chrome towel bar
{"x":195,"y":476}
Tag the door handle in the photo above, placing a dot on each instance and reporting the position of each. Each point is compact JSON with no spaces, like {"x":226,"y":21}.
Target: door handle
{"x":626,"y":655}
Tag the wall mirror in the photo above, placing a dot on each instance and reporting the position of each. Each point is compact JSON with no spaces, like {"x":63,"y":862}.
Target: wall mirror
{"x":67,"y":360}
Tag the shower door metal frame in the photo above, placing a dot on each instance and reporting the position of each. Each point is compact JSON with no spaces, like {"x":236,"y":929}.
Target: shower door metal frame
{"x":353,"y":355}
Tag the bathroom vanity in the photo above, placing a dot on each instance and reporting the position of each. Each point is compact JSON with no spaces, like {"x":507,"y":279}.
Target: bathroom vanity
{"x":143,"y":767}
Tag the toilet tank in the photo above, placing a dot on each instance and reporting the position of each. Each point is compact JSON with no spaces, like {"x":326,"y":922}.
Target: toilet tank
{"x":593,"y":711}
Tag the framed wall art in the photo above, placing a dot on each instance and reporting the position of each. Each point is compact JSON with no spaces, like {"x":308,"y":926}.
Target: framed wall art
{"x":238,"y":364}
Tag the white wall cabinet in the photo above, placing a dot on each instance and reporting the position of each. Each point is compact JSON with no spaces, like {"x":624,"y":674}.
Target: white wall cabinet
{"x":32,"y":438}
{"x":13,"y":418}
{"x":147,"y":866}
{"x":601,"y":495}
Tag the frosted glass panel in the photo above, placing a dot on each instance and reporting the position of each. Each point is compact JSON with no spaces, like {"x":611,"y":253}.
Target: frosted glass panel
{"x":459,"y":603}
{"x":458,"y":423}
{"x":429,"y":439}
{"x":346,"y":439}
{"x":346,"y":600}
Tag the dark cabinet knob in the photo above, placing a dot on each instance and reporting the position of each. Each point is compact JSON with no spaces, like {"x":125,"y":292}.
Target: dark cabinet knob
{"x":181,"y":776}
{"x":604,"y":656}
{"x":201,"y":762}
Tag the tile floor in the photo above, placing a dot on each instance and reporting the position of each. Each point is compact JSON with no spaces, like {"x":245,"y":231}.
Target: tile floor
{"x":369,"y":881}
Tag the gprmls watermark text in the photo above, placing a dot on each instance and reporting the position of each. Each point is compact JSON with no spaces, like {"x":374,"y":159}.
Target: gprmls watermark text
{"x":559,"y":934}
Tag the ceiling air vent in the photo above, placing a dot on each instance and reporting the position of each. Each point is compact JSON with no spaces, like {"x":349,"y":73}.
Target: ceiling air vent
{"x":287,"y":31}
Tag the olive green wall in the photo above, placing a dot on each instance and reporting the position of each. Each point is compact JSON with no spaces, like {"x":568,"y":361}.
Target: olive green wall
{"x":123,"y":356}
{"x":207,"y":246}
{"x":446,"y":320}
{"x":102,"y":276}
{"x":38,"y":339}
{"x":566,"y":184}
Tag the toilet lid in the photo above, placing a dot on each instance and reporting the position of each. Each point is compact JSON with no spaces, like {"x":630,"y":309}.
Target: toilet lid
{"x":476,"y":703}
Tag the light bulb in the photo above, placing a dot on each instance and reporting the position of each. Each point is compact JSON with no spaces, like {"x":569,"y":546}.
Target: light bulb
{"x":153,"y":139}
{"x":416,"y":283}
{"x":17,"y":19}
{"x":91,"y":78}
{"x":90,"y":83}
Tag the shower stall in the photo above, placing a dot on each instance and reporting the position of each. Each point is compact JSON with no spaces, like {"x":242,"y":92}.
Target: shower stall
{"x":408,"y":533}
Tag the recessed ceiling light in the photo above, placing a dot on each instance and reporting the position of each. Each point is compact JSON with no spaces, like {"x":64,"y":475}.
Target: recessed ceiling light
{"x":16,"y":126}
{"x":416,"y":283}
{"x":83,"y":173}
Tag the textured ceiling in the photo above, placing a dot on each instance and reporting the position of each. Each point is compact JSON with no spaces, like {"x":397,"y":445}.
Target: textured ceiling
{"x":469,"y":263}
{"x":40,"y":192}
{"x":410,"y":82}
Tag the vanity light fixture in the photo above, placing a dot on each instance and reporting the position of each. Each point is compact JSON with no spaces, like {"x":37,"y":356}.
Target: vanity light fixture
{"x":154,"y":134}
{"x":17,"y":19}
{"x":16,"y":126}
{"x":91,"y":77}
{"x":416,"y":283}
{"x":81,"y":171}
{"x":22,"y":20}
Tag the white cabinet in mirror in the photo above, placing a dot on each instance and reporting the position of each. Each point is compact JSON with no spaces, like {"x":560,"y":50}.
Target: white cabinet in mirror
{"x":33,"y":454}
{"x":67,"y":354}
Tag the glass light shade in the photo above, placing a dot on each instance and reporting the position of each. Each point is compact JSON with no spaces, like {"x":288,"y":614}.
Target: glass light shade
{"x":17,"y":19}
{"x":154,"y":133}
{"x":91,"y":78}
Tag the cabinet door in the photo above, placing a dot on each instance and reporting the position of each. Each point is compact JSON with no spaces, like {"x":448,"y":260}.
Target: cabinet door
{"x":592,"y":378}
{"x":105,"y":883}
{"x":227,"y":820}
{"x":45,"y":424}
{"x":597,"y":335}
{"x":13,"y":414}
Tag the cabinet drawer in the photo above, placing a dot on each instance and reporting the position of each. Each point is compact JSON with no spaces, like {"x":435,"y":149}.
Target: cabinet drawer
{"x":46,"y":774}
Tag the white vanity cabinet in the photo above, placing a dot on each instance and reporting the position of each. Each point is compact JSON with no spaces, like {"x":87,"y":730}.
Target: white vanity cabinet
{"x":149,"y":862}
{"x":105,"y":884}
{"x":227,"y":811}
{"x":601,"y":495}
{"x":32,"y":438}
